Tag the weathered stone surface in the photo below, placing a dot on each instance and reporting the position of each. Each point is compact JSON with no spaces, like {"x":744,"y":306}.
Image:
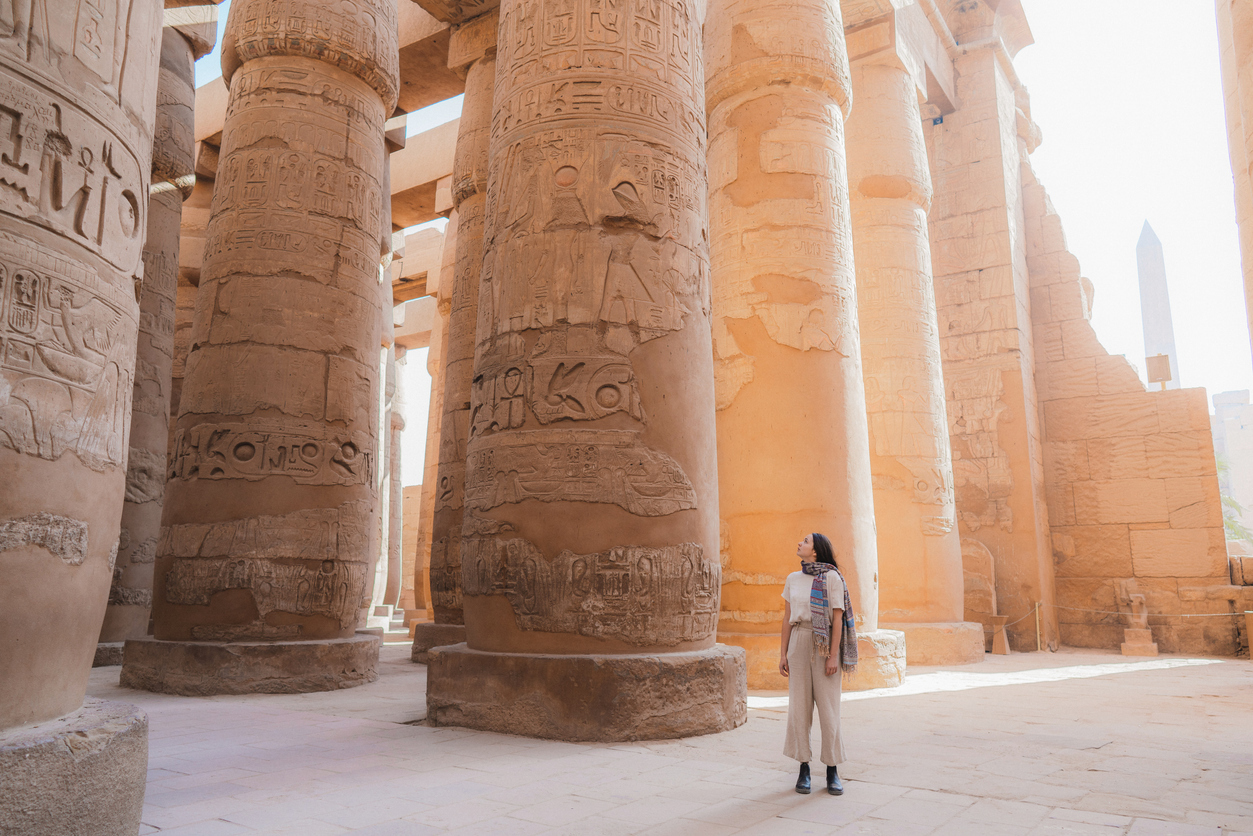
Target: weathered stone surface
{"x":607,"y":698}
{"x":108,"y":653}
{"x":1175,"y":553}
{"x":880,"y":661}
{"x":82,"y":774}
{"x":430,"y":634}
{"x":944,"y":643}
{"x":197,"y":669}
{"x":77,"y":97}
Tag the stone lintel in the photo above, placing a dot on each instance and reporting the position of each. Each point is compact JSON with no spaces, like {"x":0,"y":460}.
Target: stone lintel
{"x":906,"y":38}
{"x":428,"y":635}
{"x":198,"y":669}
{"x":81,"y":773}
{"x":651,"y":696}
{"x":942,"y":643}
{"x":472,"y":40}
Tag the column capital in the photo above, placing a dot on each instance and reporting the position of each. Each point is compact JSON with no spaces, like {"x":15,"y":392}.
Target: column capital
{"x":458,"y":11}
{"x":906,"y":36}
{"x":472,"y":41}
{"x":358,"y":37}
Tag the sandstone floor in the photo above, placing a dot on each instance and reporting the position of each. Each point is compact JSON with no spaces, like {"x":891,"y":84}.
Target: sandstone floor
{"x":1075,"y":742}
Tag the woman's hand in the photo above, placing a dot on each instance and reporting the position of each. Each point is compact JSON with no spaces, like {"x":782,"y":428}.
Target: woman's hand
{"x":783,"y":668}
{"x":833,"y":665}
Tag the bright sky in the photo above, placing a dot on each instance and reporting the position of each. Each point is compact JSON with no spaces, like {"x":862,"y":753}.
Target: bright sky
{"x":1129,"y":98}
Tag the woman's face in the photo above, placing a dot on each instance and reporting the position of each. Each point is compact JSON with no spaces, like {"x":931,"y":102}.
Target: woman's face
{"x":805,"y":548}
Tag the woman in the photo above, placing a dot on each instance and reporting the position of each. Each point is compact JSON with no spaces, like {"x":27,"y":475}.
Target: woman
{"x":817,"y":641}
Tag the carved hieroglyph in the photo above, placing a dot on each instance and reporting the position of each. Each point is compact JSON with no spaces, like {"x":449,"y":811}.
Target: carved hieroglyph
{"x":590,"y":414}
{"x":890,"y":188}
{"x":130,"y":596}
{"x":469,"y":196}
{"x":792,"y":451}
{"x":279,"y":410}
{"x":77,"y":93}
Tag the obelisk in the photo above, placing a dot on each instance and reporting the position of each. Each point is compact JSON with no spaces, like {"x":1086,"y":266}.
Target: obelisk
{"x":1159,"y":330}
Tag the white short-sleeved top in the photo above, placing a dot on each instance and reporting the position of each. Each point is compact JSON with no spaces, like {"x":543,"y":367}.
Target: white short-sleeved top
{"x":796,"y":592}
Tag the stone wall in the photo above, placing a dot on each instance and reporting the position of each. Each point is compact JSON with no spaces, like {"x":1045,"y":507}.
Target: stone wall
{"x":1130,"y":477}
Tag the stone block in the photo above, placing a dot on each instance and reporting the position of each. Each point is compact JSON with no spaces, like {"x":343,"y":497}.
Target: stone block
{"x":1175,"y":553}
{"x":762,"y":651}
{"x":1138,"y":642}
{"x":1121,"y":501}
{"x":1095,"y":551}
{"x":880,"y":662}
{"x":430,"y":634}
{"x":1106,"y":636}
{"x":585,"y":697}
{"x":1115,"y":376}
{"x":1246,"y":570}
{"x":1119,"y":457}
{"x":945,"y":643}
{"x":1178,"y":454}
{"x":83,"y":773}
{"x":1105,"y":416}
{"x":1079,"y":340}
{"x":108,"y":653}
{"x":197,"y":669}
{"x":1072,"y":378}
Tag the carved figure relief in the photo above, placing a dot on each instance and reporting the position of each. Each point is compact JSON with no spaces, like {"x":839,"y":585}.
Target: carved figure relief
{"x":67,"y":347}
{"x":63,"y":537}
{"x":559,"y":465}
{"x":635,"y":594}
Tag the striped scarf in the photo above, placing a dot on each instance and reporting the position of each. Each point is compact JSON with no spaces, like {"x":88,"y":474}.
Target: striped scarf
{"x":820,"y":614}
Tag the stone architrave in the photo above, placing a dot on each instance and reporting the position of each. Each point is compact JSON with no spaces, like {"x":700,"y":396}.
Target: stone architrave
{"x":269,"y":520}
{"x":920,"y":559}
{"x":77,"y":99}
{"x":473,"y":45}
{"x":792,"y":438}
{"x":590,"y":572}
{"x":130,"y":596}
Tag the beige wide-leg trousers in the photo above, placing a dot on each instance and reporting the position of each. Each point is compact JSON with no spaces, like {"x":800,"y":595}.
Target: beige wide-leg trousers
{"x":807,"y":686}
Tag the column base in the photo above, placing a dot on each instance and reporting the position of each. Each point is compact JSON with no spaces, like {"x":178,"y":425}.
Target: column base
{"x":108,"y":653}
{"x":200,"y":669}
{"x":1138,"y":642}
{"x":602,"y":698}
{"x":942,"y":643}
{"x":81,"y":773}
{"x":428,"y":634}
{"x":880,"y":661}
{"x":762,"y":652}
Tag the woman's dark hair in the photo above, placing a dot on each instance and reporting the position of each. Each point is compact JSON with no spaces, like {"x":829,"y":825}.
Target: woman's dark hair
{"x":823,"y":552}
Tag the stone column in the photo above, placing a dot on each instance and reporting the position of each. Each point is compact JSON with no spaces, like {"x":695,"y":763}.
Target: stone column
{"x":378,"y":616}
{"x":395,"y":485}
{"x":982,"y":294}
{"x":792,"y":439}
{"x":1235,"y":42}
{"x":268,"y":526}
{"x":130,"y":596}
{"x":77,"y":102}
{"x":920,"y":562}
{"x":474,"y":45}
{"x":589,"y":554}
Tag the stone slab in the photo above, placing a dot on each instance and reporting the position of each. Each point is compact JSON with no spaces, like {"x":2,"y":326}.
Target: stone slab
{"x":78,"y":775}
{"x":880,"y":661}
{"x":648,"y":696}
{"x":944,"y":643}
{"x":427,"y":635}
{"x":108,"y":653}
{"x":197,"y":669}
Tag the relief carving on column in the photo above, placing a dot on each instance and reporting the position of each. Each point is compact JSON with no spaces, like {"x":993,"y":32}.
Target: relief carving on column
{"x":635,"y":594}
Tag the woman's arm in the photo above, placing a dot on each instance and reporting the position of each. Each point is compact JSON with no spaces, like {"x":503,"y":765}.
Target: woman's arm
{"x":784,"y":636}
{"x":837,"y":627}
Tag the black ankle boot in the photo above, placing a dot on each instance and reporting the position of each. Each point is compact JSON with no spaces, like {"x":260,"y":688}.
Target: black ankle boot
{"x":802,"y":780}
{"x":833,"y":782}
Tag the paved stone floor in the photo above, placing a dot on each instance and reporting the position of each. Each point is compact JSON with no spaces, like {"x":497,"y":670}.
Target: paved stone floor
{"x":1064,"y":743}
